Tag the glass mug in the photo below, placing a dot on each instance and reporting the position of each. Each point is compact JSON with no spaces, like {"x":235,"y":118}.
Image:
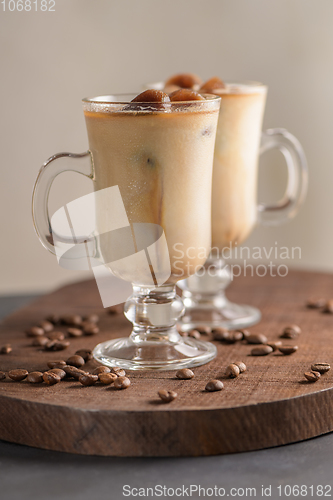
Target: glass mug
{"x":235,"y":211}
{"x":160,"y":157}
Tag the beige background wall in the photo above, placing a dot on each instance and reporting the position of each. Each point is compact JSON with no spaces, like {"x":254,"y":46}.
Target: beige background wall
{"x":50,"y":60}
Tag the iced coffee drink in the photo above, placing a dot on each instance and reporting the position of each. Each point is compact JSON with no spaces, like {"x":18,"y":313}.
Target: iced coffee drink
{"x":160,"y":154}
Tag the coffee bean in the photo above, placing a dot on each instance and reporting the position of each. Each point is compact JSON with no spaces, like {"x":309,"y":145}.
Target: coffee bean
{"x":241,"y":366}
{"x":6,"y":349}
{"x":118,"y":371}
{"x":53,"y":318}
{"x":328,"y":307}
{"x":262,"y":350}
{"x":183,"y":334}
{"x":17,"y":374}
{"x":56,"y":345}
{"x":74,"y":332}
{"x":256,"y":338}
{"x":46,"y":325}
{"x":72,"y":320}
{"x":58,"y":371}
{"x":185,"y":374}
{"x":101,"y":369}
{"x":107,"y":378}
{"x":2,"y":375}
{"x":51,"y":378}
{"x":72,"y":371}
{"x":56,"y":336}
{"x":220,"y":333}
{"x":245,"y":333}
{"x":316,"y":303}
{"x":204,"y":330}
{"x":40,"y":341}
{"x":122,"y":383}
{"x":34,"y":331}
{"x":275,"y":345}
{"x":291,"y":332}
{"x":312,"y":376}
{"x":75,"y":360}
{"x":90,"y":329}
{"x":56,"y":364}
{"x":91,"y":318}
{"x":214,"y":385}
{"x":88,"y":379}
{"x":167,"y":396}
{"x":232,"y":371}
{"x":288,"y":349}
{"x":85,"y":353}
{"x":35,"y":377}
{"x":321,"y":367}
{"x":233,"y":337}
{"x":194,"y":334}
{"x":118,"y":309}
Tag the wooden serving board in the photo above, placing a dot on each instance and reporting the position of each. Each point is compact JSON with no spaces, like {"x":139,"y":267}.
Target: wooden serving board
{"x":269,"y":405}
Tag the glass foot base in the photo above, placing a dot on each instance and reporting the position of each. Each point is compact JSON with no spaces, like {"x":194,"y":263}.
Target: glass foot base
{"x":126,"y":354}
{"x":231,"y":316}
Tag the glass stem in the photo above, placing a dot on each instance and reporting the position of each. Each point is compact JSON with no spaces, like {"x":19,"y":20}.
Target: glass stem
{"x":154,"y":313}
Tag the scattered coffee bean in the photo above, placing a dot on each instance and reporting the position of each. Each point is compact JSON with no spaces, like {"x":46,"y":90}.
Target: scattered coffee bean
{"x":194,"y":334}
{"x":6,"y":349}
{"x":72,"y":320}
{"x":288,"y":349}
{"x":220,"y":333}
{"x":60,"y":345}
{"x":18,"y":374}
{"x":102,"y":369}
{"x":91,"y":318}
{"x":263,"y":350}
{"x":328,"y":307}
{"x":56,"y":364}
{"x":40,"y":341}
{"x":51,"y":378}
{"x":214,"y":385}
{"x":88,"y":379}
{"x":316,"y":303}
{"x":53,"y":318}
{"x":245,"y":333}
{"x":291,"y":332}
{"x":107,"y":378}
{"x":241,"y":366}
{"x":232,"y":371}
{"x":75,"y":332}
{"x":122,"y":383}
{"x":56,"y":336}
{"x":90,"y":329}
{"x":118,"y":371}
{"x":257,"y":338}
{"x":46,"y":325}
{"x":167,"y":396}
{"x":204,"y":330}
{"x":183,"y":334}
{"x":59,"y":371}
{"x":2,"y":375}
{"x":185,"y":374}
{"x":321,"y":367}
{"x":118,"y":309}
{"x":233,"y":337}
{"x":34,"y":331}
{"x":35,"y":377}
{"x":85,"y":353}
{"x":72,"y":371}
{"x":75,"y":360}
{"x":275,"y":345}
{"x":312,"y":376}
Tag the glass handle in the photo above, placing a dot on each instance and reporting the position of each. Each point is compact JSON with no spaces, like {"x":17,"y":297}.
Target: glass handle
{"x":297,"y":184}
{"x":40,"y":196}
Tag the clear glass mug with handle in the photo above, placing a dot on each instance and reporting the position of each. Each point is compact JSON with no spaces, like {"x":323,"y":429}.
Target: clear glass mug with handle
{"x":150,"y":163}
{"x":235,"y":210}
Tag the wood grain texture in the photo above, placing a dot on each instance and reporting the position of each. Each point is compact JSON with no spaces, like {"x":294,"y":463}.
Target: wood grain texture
{"x":268,"y":405}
